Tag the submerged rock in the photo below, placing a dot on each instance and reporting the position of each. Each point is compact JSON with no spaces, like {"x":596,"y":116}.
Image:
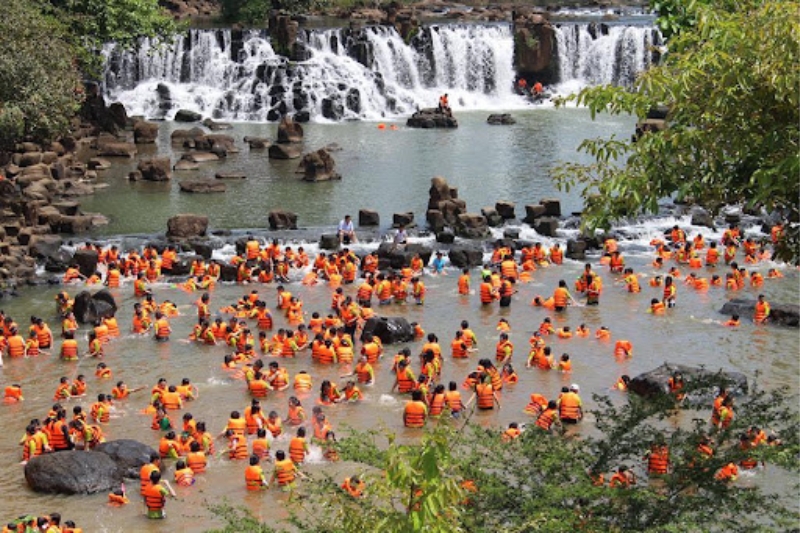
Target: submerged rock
{"x":390,"y":330}
{"x":504,"y":119}
{"x":780,"y":314}
{"x":89,"y":307}
{"x":656,"y":382}
{"x":203,"y":186}
{"x":72,"y":472}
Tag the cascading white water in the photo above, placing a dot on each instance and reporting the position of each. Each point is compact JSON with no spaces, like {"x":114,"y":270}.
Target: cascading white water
{"x":595,"y":54}
{"x":371,"y":74}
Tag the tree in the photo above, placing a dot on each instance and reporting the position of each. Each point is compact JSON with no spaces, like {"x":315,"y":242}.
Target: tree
{"x":729,"y":80}
{"x":39,"y":84}
{"x":468,"y":479}
{"x":96,"y":22}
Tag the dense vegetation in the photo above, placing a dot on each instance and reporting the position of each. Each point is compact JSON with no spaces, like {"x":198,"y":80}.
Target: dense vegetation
{"x":47,"y":48}
{"x":729,"y":80}
{"x":461,"y":478}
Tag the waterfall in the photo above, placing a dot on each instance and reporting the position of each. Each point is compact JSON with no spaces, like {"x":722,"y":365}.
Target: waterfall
{"x":369,"y":74}
{"x":595,"y":54}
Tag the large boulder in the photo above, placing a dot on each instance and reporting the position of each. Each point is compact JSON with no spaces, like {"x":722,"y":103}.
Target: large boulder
{"x":185,"y":115}
{"x":155,"y":169}
{"x":552,"y":207}
{"x":145,"y":132}
{"x":282,"y":219}
{"x":576,"y":249}
{"x":258,"y":143}
{"x":329,"y":241}
{"x":187,"y":225}
{"x":86,"y":260}
{"x":403,"y":219}
{"x":431,"y":118}
{"x":466,"y":255}
{"x":491,"y":215}
{"x":781,"y":314}
{"x":89,"y":307}
{"x":289,"y":131}
{"x":116,"y":149}
{"x":700,"y":382}
{"x":319,"y":166}
{"x":129,"y":455}
{"x":44,"y":246}
{"x":401,"y":257}
{"x":546,"y":226}
{"x":390,"y":330}
{"x":368,"y":217}
{"x":202,"y":186}
{"x":472,"y":226}
{"x":501,"y":119}
{"x":72,"y":472}
{"x":534,"y":47}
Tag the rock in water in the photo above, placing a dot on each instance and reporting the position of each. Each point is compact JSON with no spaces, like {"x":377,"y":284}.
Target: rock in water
{"x":128,"y":454}
{"x":431,"y":118}
{"x":504,"y":119}
{"x":319,"y":166}
{"x":284,"y":151}
{"x":185,"y":115}
{"x":204,"y":186}
{"x":289,"y":131}
{"x":781,"y":314}
{"x":187,"y":225}
{"x":655,"y":382}
{"x":280,"y":219}
{"x":391,"y":330}
{"x":72,"y":472}
{"x":89,"y":307}
{"x":156,"y":169}
{"x":368,"y":217}
{"x":401,"y":257}
{"x":86,"y":261}
{"x":466,"y":255}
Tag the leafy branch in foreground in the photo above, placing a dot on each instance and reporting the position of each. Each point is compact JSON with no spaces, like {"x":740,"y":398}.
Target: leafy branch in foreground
{"x":733,"y":126}
{"x":459,"y":477}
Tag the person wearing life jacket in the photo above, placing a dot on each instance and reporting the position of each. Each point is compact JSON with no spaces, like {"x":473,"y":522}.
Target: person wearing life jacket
{"x":444,"y":104}
{"x":184,"y":476}
{"x":732,"y":322}
{"x":285,"y":471}
{"x":354,"y":486}
{"x":488,"y":294}
{"x":504,"y":349}
{"x":155,"y":496}
{"x":728,"y":473}
{"x":670,"y":292}
{"x":726,"y":413}
{"x":622,"y":478}
{"x":548,"y":416}
{"x":69,"y":348}
{"x":15,"y":344}
{"x":537,"y":90}
{"x":196,"y":458}
{"x":162,"y":328}
{"x":13,"y":393}
{"x":117,"y":498}
{"x":561,"y":296}
{"x":512,"y":433}
{"x":677,"y":235}
{"x":537,"y":404}
{"x":616,"y":263}
{"x":762,"y":310}
{"x":657,"y":459}
{"x":415,"y":412}
{"x":622,"y":383}
{"x":745,"y":448}
{"x":656,"y":307}
{"x":570,"y":406}
{"x":485,"y":393}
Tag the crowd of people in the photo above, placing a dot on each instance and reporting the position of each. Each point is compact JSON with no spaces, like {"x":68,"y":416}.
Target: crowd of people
{"x":258,"y":335}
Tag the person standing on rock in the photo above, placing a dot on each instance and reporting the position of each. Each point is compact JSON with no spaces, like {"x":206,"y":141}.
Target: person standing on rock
{"x":400,"y":238}
{"x":346,"y":231}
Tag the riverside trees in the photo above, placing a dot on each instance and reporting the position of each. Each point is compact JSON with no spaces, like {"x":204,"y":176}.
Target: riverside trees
{"x":47,"y":48}
{"x":464,"y":478}
{"x":729,"y":80}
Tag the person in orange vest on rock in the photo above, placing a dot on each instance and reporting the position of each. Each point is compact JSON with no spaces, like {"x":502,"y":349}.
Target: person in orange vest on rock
{"x":537,"y":89}
{"x":728,"y":473}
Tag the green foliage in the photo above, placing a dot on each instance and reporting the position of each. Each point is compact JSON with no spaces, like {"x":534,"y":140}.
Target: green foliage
{"x":95,"y":22}
{"x":39,"y":85}
{"x":732,"y":135}
{"x":252,"y":12}
{"x":541,"y":481}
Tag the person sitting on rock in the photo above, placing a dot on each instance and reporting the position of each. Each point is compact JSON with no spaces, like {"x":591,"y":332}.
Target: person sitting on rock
{"x":346,"y":231}
{"x":444,"y":105}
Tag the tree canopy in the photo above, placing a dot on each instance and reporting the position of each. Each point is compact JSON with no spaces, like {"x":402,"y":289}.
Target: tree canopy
{"x":729,"y":81}
{"x":460,"y":477}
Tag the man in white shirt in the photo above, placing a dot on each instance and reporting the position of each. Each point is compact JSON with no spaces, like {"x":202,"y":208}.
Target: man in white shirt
{"x":400,"y":238}
{"x":346,"y":231}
